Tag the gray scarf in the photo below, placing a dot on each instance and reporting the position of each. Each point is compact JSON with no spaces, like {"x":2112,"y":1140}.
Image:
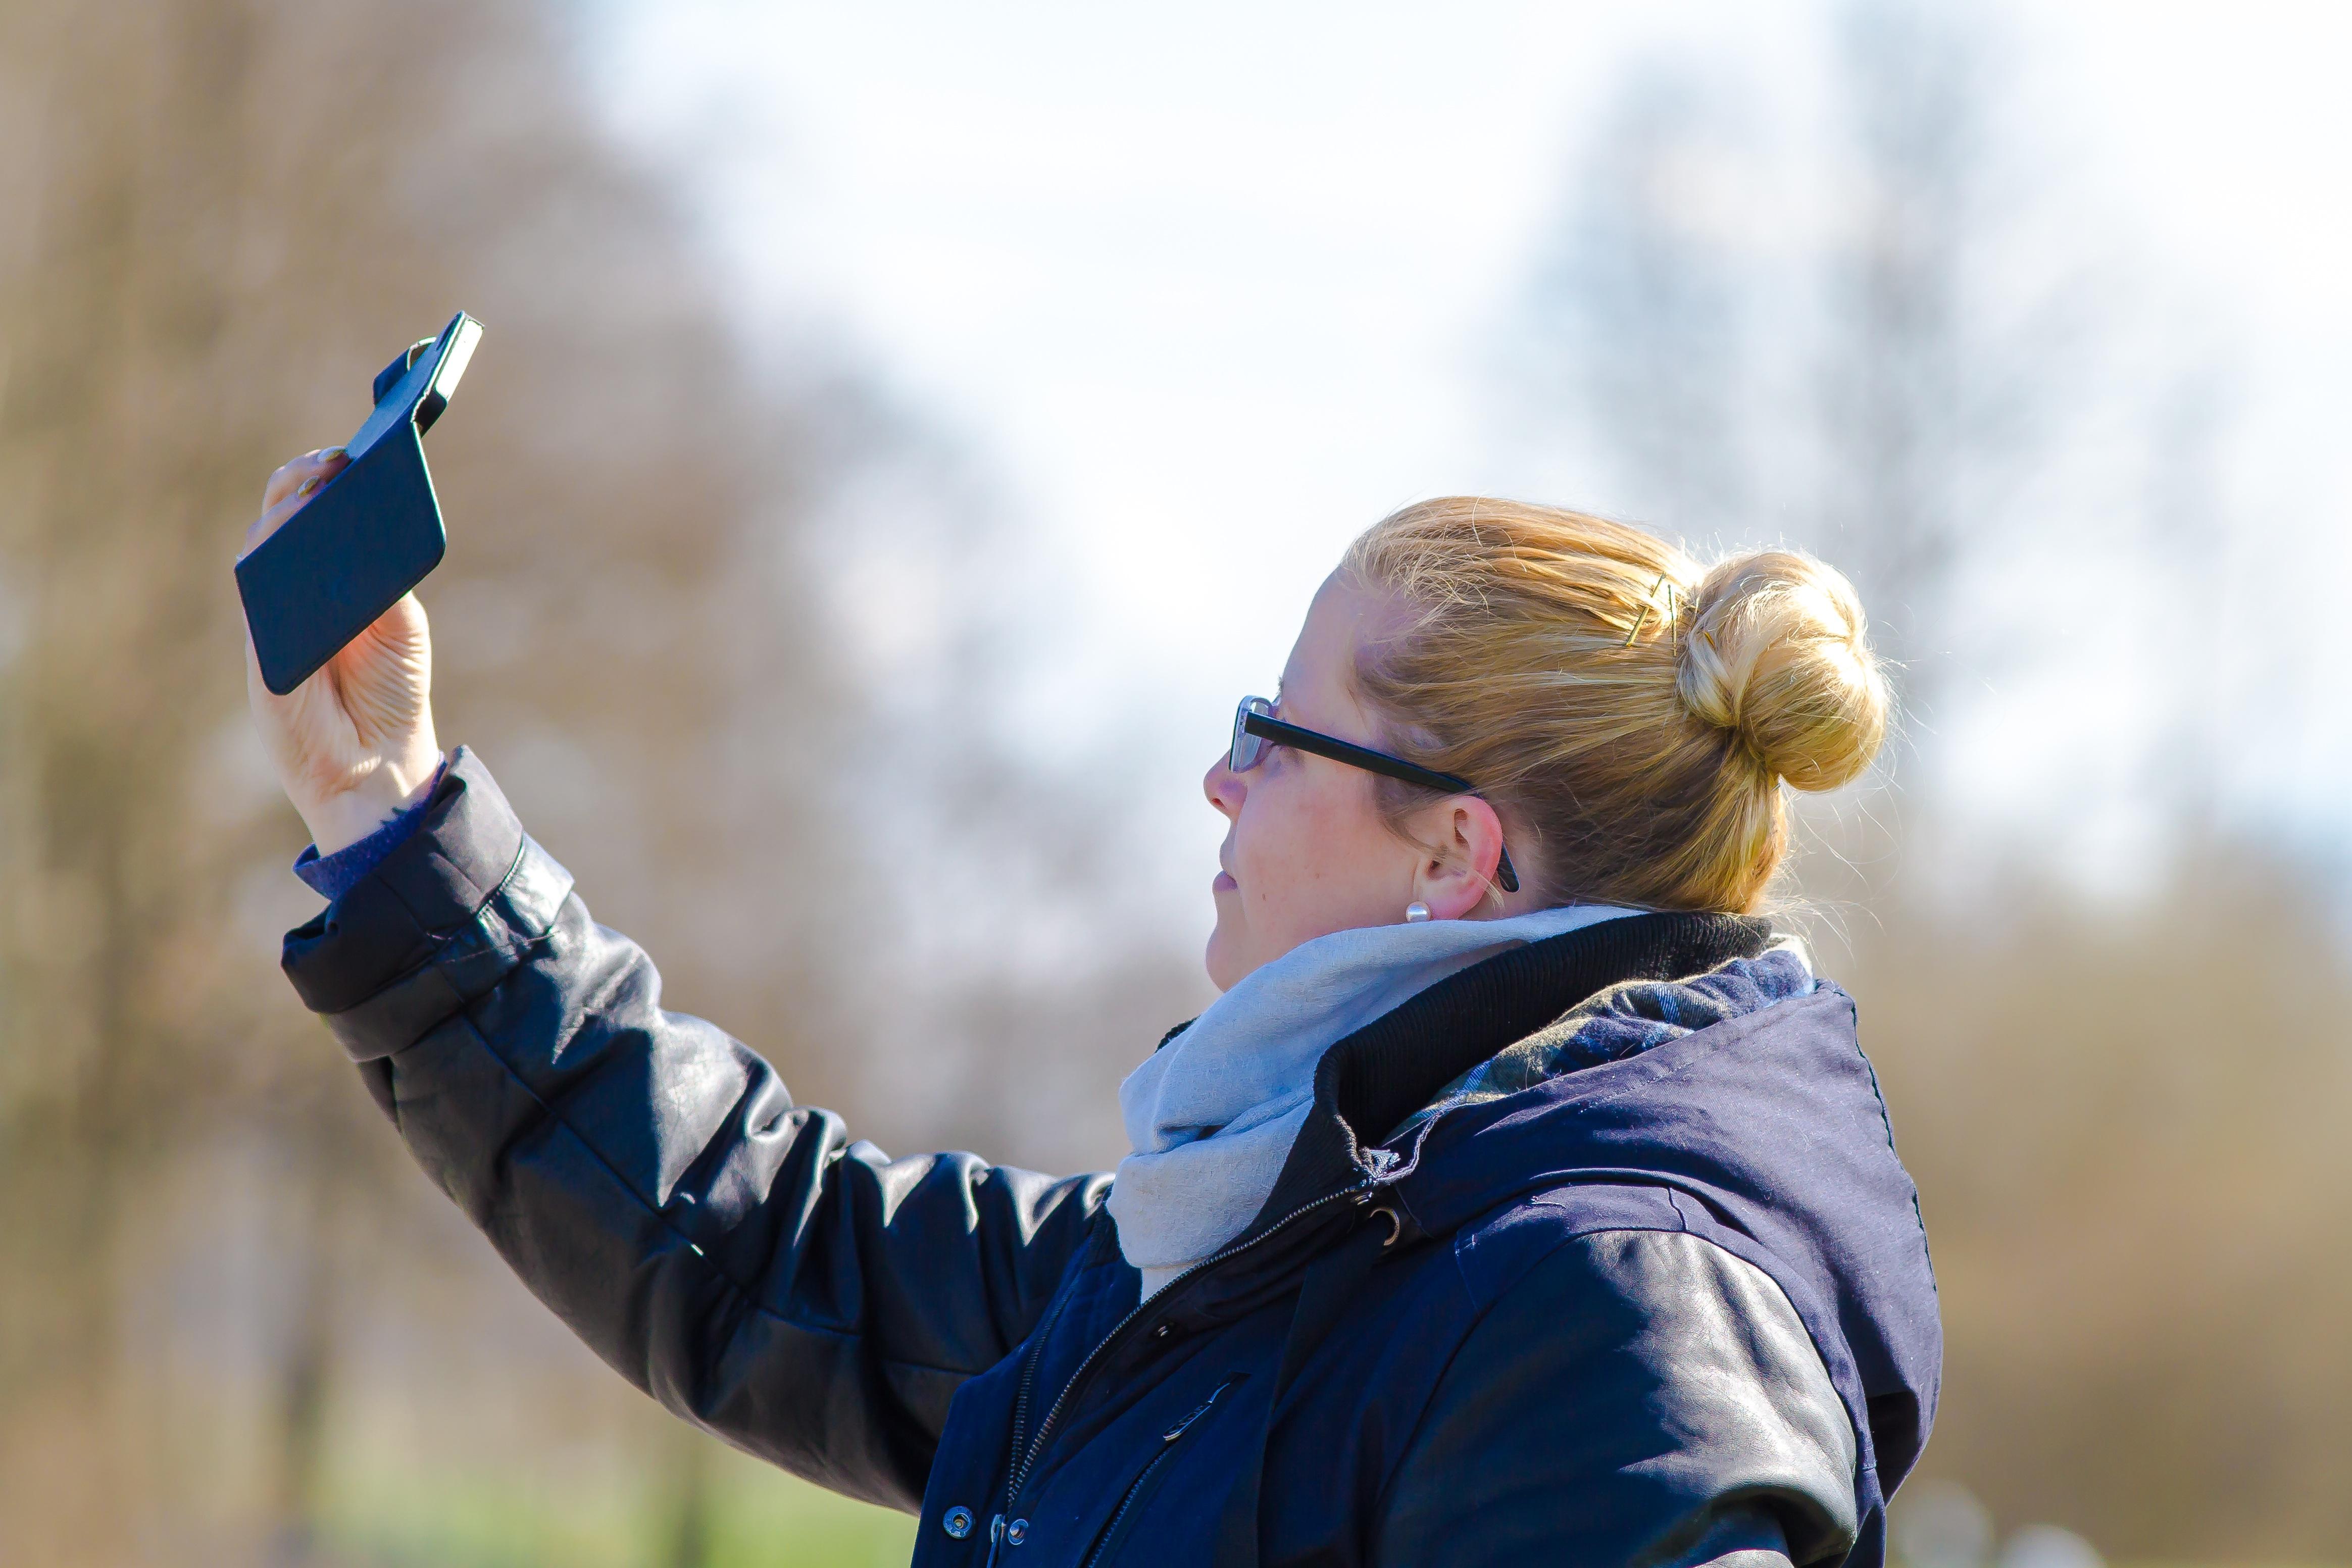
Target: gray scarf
{"x":1211,"y":1115}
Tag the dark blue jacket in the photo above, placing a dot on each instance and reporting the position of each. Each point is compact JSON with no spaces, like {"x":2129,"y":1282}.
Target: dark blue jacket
{"x":1665,"y":1309}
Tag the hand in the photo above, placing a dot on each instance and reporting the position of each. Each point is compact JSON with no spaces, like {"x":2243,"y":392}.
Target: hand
{"x":352,"y":745}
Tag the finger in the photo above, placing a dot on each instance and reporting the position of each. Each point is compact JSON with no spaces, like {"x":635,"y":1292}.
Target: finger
{"x":395,"y":628}
{"x":322,"y":464}
{"x":290,"y":476}
{"x":290,"y":489}
{"x":399,"y":640}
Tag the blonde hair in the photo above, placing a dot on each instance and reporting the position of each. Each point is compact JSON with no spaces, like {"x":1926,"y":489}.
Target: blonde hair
{"x":1632,"y":716}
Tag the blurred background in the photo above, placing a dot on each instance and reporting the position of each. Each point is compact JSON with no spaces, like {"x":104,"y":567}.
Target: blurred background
{"x":902,"y":432}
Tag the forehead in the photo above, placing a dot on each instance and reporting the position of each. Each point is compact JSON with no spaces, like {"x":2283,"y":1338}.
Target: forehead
{"x":1319,"y":680}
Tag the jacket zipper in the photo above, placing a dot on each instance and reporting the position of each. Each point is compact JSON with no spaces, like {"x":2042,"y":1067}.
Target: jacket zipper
{"x":1094,"y":1357}
{"x":1021,"y":1408}
{"x":1028,"y":1376}
{"x":1135,"y":1487}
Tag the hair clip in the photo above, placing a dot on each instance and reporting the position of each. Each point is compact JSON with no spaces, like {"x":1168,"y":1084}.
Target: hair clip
{"x":1649,"y":603}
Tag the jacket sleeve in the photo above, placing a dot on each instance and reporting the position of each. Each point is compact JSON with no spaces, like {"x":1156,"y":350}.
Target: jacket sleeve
{"x":1636,"y":1399}
{"x":731,"y":1253}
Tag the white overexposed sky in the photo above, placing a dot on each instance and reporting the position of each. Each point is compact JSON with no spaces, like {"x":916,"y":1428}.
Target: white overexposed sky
{"x":1208,"y":287}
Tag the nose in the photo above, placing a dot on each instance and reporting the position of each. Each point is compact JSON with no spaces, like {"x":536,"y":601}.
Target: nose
{"x":1224,"y":787}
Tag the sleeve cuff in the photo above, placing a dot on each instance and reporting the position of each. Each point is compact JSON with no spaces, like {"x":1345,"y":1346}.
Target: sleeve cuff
{"x":415,"y":901}
{"x":331,"y":876}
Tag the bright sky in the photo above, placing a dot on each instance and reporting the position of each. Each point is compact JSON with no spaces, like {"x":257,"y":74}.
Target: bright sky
{"x":1206,"y":286}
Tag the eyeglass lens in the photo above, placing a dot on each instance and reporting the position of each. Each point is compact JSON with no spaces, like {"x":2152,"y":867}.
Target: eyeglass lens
{"x":1247,"y":748}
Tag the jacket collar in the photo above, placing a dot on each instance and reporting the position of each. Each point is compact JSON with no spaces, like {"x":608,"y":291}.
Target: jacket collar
{"x":1372,"y":1081}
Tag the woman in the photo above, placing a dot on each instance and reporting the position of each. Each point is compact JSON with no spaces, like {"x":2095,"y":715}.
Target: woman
{"x":1523,"y":1198}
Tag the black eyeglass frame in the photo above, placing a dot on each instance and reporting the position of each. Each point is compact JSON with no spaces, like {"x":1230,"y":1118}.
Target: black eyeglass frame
{"x":1254,"y":719}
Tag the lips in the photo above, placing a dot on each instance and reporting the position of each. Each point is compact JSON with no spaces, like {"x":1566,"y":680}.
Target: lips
{"x":1224,"y":882}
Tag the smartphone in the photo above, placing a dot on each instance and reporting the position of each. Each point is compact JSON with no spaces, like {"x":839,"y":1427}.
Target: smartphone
{"x":371,"y":534}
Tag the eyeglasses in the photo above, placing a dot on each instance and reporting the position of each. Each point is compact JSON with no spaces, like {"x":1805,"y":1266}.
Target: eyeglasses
{"x":1255,"y":727}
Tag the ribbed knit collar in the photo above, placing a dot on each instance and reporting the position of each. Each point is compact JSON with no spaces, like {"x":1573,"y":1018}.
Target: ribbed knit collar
{"x":1211,"y":1115}
{"x":1371,"y":1081}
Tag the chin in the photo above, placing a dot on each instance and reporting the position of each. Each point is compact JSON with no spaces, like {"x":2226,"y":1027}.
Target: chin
{"x":1216,"y":959}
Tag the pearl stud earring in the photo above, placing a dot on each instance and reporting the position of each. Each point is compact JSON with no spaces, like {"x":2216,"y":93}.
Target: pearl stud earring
{"x":1415,"y":912}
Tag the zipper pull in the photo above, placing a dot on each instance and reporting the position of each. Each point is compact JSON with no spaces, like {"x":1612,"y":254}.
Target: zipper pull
{"x":1177,"y":1431}
{"x":995,"y":1538}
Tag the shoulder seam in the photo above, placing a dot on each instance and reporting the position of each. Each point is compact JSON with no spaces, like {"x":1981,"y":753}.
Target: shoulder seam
{"x":1531,"y":1199}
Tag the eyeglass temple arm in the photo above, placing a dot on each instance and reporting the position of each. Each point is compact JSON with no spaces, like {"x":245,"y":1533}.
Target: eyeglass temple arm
{"x":1379,"y":762}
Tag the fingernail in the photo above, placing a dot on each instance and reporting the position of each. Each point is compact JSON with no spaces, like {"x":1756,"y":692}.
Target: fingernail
{"x":331,"y":454}
{"x":307,"y":485}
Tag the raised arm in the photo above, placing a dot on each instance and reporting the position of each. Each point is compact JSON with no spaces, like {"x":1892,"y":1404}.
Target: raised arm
{"x":734,"y":1255}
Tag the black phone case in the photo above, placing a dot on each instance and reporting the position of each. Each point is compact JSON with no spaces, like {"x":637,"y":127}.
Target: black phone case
{"x":370,"y":535}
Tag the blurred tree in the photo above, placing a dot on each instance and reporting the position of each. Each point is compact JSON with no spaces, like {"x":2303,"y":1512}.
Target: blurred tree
{"x":1860,"y":340}
{"x":224,"y":214}
{"x":1639,"y":343}
{"x":669,"y":570}
{"x":2122,"y":1122}
{"x":1906,"y":373}
{"x":1740,"y":330}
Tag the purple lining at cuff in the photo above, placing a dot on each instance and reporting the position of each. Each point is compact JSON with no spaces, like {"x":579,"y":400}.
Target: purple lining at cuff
{"x":331,"y":876}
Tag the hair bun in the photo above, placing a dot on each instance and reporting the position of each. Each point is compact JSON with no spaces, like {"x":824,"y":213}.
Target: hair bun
{"x":1778,"y":656}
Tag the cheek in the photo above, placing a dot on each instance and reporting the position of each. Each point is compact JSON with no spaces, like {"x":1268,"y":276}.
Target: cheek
{"x":1271,"y":842}
{"x":1297,"y":849}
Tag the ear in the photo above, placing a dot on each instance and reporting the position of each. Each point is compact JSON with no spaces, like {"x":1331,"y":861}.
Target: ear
{"x":1465,"y":842}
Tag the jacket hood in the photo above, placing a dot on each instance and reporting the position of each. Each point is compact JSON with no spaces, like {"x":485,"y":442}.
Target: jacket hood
{"x":1763,"y":1124}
